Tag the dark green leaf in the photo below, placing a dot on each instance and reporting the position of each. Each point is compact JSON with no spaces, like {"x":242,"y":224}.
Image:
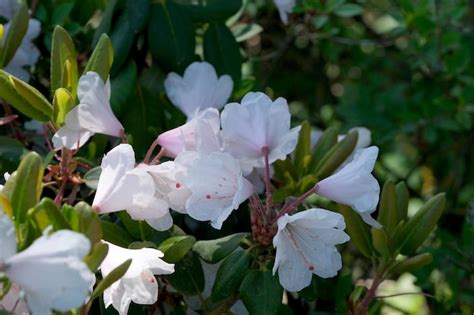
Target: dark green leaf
{"x":215,"y":250}
{"x":188,"y":277}
{"x":176,"y":247}
{"x":261,"y":293}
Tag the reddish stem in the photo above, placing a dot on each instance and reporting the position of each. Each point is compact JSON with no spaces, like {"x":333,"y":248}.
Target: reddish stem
{"x":150,"y":151}
{"x":368,"y":298}
{"x":294,"y":204}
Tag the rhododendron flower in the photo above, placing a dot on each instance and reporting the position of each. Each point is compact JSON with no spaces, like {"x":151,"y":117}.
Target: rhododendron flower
{"x":138,"y":285}
{"x":198,"y":89}
{"x":255,"y":124}
{"x":354,"y":185}
{"x":123,"y":187}
{"x":92,"y":115}
{"x":306,"y":244}
{"x":50,"y":272}
{"x":27,"y":53}
{"x":284,"y":7}
{"x":183,"y":138}
{"x":217,"y":188}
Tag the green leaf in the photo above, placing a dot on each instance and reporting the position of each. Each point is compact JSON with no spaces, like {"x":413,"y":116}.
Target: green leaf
{"x":97,"y":256}
{"x":210,"y":10}
{"x":458,"y":60}
{"x":327,"y":140}
{"x":348,"y":10}
{"x":382,"y":242}
{"x":115,"y":234}
{"x":11,"y":151}
{"x":102,"y":58}
{"x":47,"y":213}
{"x":230,"y":274}
{"x":122,"y":36}
{"x":261,"y":293}
{"x":105,"y":22}
{"x":303,"y":149}
{"x":83,"y":219}
{"x":222,"y":50}
{"x":357,"y":230}
{"x":176,"y":247}
{"x":403,"y":197}
{"x":17,"y":30}
{"x":138,"y":229}
{"x":113,"y":276}
{"x":137,"y":12}
{"x":63,"y":102}
{"x":419,"y":227}
{"x":214,"y":251}
{"x":336,"y":156}
{"x":171,"y":36}
{"x":123,"y":85}
{"x":412,"y":263}
{"x":11,"y":96}
{"x":26,"y":189}
{"x":388,"y":212}
{"x":188,"y":277}
{"x":32,"y":96}
{"x":91,"y":178}
{"x":64,"y":73}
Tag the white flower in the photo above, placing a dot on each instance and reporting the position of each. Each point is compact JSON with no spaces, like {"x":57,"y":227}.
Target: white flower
{"x":138,"y":285}
{"x":27,"y":53}
{"x":92,"y":115}
{"x":50,"y":272}
{"x":257,"y":123}
{"x":305,"y":245}
{"x":183,"y":138}
{"x":14,"y":302}
{"x":198,"y":89}
{"x":122,"y":186}
{"x":284,"y":7}
{"x":354,"y":185}
{"x":217,"y":188}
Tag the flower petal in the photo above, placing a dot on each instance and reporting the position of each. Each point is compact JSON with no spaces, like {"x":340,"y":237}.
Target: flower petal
{"x":7,"y":237}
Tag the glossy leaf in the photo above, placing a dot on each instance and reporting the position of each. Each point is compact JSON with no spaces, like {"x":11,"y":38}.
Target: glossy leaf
{"x":63,"y":102}
{"x":357,"y":230}
{"x":18,"y":29}
{"x":64,"y":73}
{"x":188,"y":277}
{"x":32,"y":96}
{"x":102,"y":58}
{"x":261,"y":293}
{"x":388,"y":212}
{"x":222,"y":51}
{"x":115,"y":234}
{"x":412,"y":263}
{"x":113,"y":276}
{"x":210,"y":10}
{"x":214,"y":251}
{"x":176,"y":247}
{"x":97,"y":256}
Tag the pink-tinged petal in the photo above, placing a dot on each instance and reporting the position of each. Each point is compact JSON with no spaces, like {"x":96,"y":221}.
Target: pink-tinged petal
{"x":354,"y":185}
{"x":71,"y":139}
{"x":222,"y":192}
{"x":254,"y":124}
{"x":305,"y":244}
{"x":115,"y":165}
{"x":198,"y":89}
{"x":183,"y":138}
{"x":138,"y":285}
{"x":14,"y":302}
{"x":8,"y":242}
{"x":51,"y":272}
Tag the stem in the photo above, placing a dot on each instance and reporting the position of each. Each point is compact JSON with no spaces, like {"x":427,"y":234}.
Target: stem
{"x":64,"y":176}
{"x":292,"y":205}
{"x":157,"y":158}
{"x":369,"y":297}
{"x":150,"y":151}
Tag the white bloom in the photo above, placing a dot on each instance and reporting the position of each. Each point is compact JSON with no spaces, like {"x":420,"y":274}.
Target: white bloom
{"x":27,"y":53}
{"x":123,"y":187}
{"x":138,"y":285}
{"x":306,"y":244}
{"x":92,"y":115}
{"x":284,"y":7}
{"x":183,"y":138}
{"x":217,"y":188}
{"x":50,"y":272}
{"x":354,"y":185}
{"x":257,"y":123}
{"x":198,"y":89}
{"x":14,"y":301}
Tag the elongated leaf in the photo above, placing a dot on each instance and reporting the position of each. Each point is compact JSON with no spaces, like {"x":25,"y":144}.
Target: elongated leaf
{"x":171,"y":36}
{"x":412,"y":263}
{"x":421,"y":224}
{"x":403,"y":197}
{"x":303,"y":149}
{"x":261,"y":293}
{"x":11,"y":96}
{"x":16,"y":32}
{"x":388,"y":212}
{"x":63,"y":102}
{"x":176,"y":247}
{"x":47,"y":213}
{"x":26,"y":191}
{"x":222,"y":51}
{"x":210,"y":10}
{"x":105,"y":22}
{"x":230,"y":274}
{"x":63,"y":52}
{"x":102,"y":58}
{"x":122,"y":37}
{"x":97,"y":256}
{"x":83,"y":219}
{"x":327,"y":140}
{"x":215,"y":250}
{"x":357,"y":230}
{"x":188,"y":277}
{"x":32,"y":96}
{"x":113,"y":276}
{"x":116,"y":235}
